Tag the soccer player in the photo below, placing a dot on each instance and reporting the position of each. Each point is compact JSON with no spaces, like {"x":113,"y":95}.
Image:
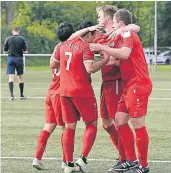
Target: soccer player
{"x":136,"y":91}
{"x":77,"y":96}
{"x":53,"y":114}
{"x":111,"y":88}
{"x":15,"y":45}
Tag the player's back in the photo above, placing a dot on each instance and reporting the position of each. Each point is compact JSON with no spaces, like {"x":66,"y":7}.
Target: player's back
{"x":74,"y":79}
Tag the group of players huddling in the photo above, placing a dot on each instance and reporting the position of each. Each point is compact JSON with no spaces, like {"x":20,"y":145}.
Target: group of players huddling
{"x":125,"y":90}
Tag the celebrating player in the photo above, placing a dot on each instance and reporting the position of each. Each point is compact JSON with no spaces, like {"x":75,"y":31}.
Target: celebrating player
{"x":77,"y":95}
{"x":136,"y":91}
{"x":111,"y":88}
{"x":53,"y":116}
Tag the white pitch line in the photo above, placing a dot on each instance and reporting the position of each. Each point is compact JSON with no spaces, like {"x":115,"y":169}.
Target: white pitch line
{"x":101,"y":160}
{"x":93,"y":82}
{"x":39,"y":97}
{"x":156,"y":89}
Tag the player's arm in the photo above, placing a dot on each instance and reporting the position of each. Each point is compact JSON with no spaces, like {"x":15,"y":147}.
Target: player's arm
{"x":25,"y":47}
{"x":92,"y":67}
{"x":54,"y":64}
{"x":130,"y":27}
{"x":6,"y":46}
{"x":55,"y":58}
{"x":120,"y":53}
{"x":84,"y":31}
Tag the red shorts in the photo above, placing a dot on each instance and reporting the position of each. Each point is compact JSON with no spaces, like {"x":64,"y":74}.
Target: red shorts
{"x":53,"y":109}
{"x":75,"y":107}
{"x":111,"y":92}
{"x":134,"y":101}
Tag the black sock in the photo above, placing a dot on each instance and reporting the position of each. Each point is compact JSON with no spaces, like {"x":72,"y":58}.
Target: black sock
{"x":84,"y":159}
{"x":11,"y":86}
{"x":70,"y":164}
{"x":21,"y":86}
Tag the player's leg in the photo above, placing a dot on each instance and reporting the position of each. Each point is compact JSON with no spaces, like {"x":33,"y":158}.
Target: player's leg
{"x":70,"y":117}
{"x":20,"y":71}
{"x":87,"y":108}
{"x":139,"y":100}
{"x":49,"y":127}
{"x":110,"y":96}
{"x":10,"y":71}
{"x":58,"y":116}
{"x":127,"y":137}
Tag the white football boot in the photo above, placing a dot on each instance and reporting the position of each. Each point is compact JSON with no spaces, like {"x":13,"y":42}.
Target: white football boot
{"x":83,"y":166}
{"x":38,"y":164}
{"x":69,"y":169}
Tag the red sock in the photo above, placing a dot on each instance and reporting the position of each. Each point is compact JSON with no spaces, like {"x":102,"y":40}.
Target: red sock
{"x":41,"y":144}
{"x":68,"y":140}
{"x":121,"y":150}
{"x":63,"y":154}
{"x":88,"y":139}
{"x":142,"y":141}
{"x":113,"y":134}
{"x":127,"y":138}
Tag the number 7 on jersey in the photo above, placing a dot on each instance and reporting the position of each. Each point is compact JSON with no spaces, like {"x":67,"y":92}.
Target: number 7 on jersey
{"x":69,"y":54}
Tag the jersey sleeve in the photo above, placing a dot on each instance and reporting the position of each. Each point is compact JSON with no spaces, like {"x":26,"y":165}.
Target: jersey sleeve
{"x":56,"y":53}
{"x":88,"y":55}
{"x":127,"y":40}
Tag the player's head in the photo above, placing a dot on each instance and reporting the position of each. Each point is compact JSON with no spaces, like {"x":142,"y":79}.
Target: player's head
{"x":121,"y":18}
{"x":105,"y":14}
{"x":65,"y":30}
{"x":89,"y":36}
{"x":16,"y":31}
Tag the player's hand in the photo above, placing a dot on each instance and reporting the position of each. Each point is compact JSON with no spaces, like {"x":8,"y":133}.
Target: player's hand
{"x":94,"y":28}
{"x":113,"y":61}
{"x":95,"y":47}
{"x":114,"y":33}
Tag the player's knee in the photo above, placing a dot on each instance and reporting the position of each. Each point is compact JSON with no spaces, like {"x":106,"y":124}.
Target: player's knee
{"x":50,"y":127}
{"x":71,"y":125}
{"x":11,"y":77}
{"x":20,"y":79}
{"x":138,"y":122}
{"x":91,"y":123}
{"x":121,"y":118}
{"x":107,"y":123}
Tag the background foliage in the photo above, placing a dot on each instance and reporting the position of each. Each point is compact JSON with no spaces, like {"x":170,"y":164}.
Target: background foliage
{"x":39,"y":20}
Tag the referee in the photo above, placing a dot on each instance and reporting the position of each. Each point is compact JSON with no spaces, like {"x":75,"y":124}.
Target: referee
{"x":15,"y":45}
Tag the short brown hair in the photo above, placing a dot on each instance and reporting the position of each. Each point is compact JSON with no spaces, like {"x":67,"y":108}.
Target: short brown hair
{"x":124,"y":15}
{"x":17,"y":29}
{"x":109,"y":10}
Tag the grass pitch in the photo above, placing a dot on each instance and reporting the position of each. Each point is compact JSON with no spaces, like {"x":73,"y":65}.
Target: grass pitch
{"x":23,"y":120}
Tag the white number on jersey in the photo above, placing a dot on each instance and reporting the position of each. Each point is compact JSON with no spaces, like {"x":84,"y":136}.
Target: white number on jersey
{"x":69,"y":54}
{"x":56,"y":72}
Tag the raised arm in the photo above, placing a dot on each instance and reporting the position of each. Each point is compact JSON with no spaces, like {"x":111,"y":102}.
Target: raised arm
{"x":84,"y":31}
{"x":130,"y":27}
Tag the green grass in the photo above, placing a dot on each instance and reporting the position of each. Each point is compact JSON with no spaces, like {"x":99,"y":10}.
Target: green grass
{"x":23,"y":120}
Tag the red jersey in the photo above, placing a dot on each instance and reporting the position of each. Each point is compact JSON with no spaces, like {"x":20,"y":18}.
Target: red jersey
{"x":74,"y":79}
{"x":134,"y":70}
{"x":109,"y":72}
{"x":54,"y":87}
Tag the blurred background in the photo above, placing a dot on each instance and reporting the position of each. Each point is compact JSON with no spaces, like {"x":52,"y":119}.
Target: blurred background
{"x":39,"y":20}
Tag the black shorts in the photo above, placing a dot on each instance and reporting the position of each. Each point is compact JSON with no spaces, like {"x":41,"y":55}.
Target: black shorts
{"x":15,"y":63}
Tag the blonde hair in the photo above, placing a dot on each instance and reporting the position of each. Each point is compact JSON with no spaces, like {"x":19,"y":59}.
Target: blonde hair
{"x":108,"y":10}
